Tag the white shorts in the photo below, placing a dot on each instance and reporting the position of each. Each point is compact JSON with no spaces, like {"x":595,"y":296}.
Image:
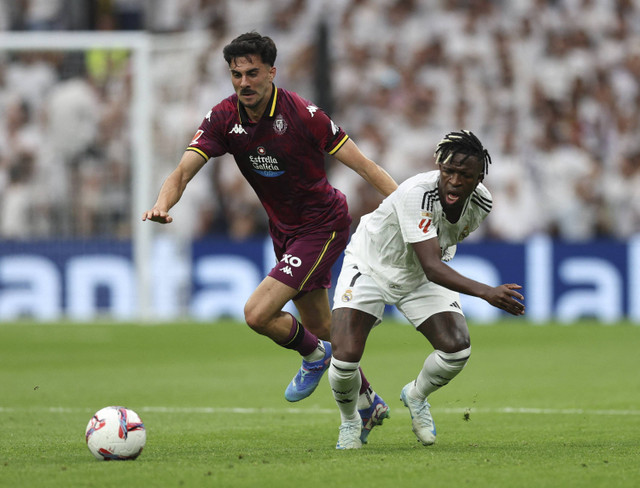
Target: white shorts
{"x":361,"y":292}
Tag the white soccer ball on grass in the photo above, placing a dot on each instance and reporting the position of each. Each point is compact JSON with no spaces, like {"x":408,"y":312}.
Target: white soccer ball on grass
{"x":115,"y":433}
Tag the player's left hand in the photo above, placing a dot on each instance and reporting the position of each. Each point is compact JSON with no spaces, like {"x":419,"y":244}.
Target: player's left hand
{"x":505,"y":297}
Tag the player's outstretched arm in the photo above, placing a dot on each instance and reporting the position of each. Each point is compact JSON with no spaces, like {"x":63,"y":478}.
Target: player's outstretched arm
{"x":504,"y":297}
{"x":351,"y":156}
{"x":174,"y":186}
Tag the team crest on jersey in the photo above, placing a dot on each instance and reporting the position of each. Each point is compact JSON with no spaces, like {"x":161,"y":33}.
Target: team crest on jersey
{"x":464,"y":234}
{"x":347,"y":296}
{"x":280,"y":125}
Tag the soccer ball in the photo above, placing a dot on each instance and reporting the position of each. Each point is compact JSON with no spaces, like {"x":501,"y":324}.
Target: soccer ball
{"x":115,"y":433}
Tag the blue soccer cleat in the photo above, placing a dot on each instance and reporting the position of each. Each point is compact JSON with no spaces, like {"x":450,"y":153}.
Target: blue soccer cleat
{"x":372,"y":416}
{"x":308,"y":377}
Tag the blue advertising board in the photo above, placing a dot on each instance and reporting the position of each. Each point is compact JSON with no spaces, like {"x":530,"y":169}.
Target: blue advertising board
{"x":86,"y":280}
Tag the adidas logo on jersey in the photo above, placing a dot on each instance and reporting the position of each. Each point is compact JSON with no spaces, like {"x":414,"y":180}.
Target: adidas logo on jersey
{"x":237,"y":129}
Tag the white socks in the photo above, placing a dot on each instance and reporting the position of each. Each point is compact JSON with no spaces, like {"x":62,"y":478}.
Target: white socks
{"x":317,"y":354}
{"x":345,"y":381}
{"x":439,"y":368}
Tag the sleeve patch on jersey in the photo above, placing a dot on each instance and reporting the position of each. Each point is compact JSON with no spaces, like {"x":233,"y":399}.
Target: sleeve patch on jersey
{"x":424,"y":225}
{"x":196,"y":136}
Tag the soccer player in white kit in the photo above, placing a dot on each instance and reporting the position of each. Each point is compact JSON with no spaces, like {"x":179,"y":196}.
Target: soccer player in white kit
{"x":397,"y":256}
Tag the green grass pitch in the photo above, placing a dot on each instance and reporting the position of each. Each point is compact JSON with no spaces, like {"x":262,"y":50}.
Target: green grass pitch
{"x":539,"y":406}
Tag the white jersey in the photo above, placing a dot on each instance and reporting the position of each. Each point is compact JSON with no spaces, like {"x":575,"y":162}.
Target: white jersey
{"x":381,"y":245}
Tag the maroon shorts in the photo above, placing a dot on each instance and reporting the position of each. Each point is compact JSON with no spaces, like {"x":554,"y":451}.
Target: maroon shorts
{"x":304,"y":262}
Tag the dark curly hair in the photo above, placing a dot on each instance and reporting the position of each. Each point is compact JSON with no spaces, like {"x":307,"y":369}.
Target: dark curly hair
{"x":248,"y":44}
{"x":464,"y":142}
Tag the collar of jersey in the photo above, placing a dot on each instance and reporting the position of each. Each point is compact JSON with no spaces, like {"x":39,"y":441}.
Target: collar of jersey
{"x":271,"y":107}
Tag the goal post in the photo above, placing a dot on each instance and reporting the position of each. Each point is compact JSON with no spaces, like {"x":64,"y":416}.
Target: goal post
{"x":140,"y":45}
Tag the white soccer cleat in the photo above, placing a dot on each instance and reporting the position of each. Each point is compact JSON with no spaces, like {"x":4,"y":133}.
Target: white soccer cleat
{"x":349,"y":437}
{"x":421,"y":420}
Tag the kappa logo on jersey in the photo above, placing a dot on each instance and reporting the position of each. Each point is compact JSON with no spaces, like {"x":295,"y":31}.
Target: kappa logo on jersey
{"x":265,"y":165}
{"x":208,"y":116}
{"x":312,"y":109}
{"x":334,"y":128}
{"x":196,"y":137}
{"x":287,"y":270}
{"x":280,"y":125}
{"x":237,"y":129}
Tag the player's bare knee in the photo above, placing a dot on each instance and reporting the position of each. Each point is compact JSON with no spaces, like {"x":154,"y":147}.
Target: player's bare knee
{"x":346,"y":351}
{"x":256,"y":320}
{"x":453,"y":340}
{"x":456,"y":343}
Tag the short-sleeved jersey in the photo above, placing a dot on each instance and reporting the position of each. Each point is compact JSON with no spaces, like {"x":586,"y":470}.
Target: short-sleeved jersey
{"x":282,"y":158}
{"x":381,"y":245}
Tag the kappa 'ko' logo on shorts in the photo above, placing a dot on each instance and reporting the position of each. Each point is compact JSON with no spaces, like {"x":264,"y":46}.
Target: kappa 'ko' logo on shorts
{"x":290,"y":260}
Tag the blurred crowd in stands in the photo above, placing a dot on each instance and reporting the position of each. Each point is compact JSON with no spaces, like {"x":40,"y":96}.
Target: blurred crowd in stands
{"x":552,"y":88}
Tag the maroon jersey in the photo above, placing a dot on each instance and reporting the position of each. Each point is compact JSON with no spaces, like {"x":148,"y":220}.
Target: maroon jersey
{"x":282,"y":157}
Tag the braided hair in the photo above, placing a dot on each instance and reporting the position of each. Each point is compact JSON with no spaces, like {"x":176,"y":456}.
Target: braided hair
{"x":464,"y":142}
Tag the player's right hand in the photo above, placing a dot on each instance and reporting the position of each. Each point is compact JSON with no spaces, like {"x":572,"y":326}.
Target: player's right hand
{"x":505,"y":297}
{"x":156,"y":215}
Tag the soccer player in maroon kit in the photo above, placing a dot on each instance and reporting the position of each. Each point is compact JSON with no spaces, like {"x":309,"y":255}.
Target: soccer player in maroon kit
{"x":279,"y":141}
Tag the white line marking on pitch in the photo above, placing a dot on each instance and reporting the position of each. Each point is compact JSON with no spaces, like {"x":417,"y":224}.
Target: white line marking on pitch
{"x":328,"y":411}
